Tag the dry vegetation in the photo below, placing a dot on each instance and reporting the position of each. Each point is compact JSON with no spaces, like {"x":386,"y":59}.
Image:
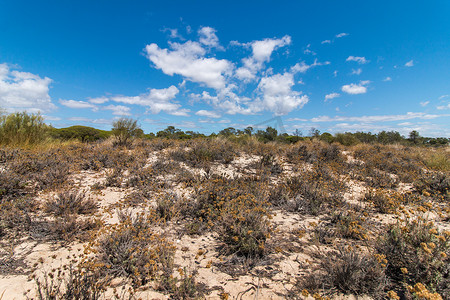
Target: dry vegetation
{"x":214,"y":218}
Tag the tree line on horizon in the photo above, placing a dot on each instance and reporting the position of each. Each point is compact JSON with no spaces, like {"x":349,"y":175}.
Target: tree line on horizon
{"x":23,"y":128}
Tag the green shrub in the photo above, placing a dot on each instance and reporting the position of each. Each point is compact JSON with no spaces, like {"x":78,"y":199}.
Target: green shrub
{"x":417,"y":252}
{"x":21,"y":128}
{"x":124,"y":130}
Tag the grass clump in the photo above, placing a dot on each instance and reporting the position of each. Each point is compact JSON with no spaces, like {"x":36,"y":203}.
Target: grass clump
{"x":70,"y":203}
{"x":347,"y":271}
{"x":314,"y":191}
{"x":199,"y":153}
{"x":133,"y":249}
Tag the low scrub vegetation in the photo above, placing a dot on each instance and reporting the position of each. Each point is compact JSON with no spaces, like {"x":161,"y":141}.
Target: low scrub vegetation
{"x":179,"y":214}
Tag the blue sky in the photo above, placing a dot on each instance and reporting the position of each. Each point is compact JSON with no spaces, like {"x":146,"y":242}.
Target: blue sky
{"x":205,"y":65}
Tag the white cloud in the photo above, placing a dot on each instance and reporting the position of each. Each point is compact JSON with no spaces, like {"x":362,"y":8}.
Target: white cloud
{"x":189,"y":61}
{"x":51,"y":118}
{"x":118,"y":110}
{"x":24,"y":91}
{"x":78,"y":104}
{"x":208,"y":37}
{"x":355,"y":89}
{"x":309,"y":51}
{"x":358,"y":59}
{"x":443,"y":97}
{"x":297,"y":120}
{"x":326,"y":42}
{"x":302,"y":67}
{"x":227,"y":101}
{"x":98,"y":100}
{"x":442,"y":107}
{"x":209,"y":114}
{"x":156,"y":100}
{"x":335,"y":73}
{"x":425,"y":103}
{"x":387,"y":79}
{"x":261,"y":52}
{"x":356,"y":72}
{"x":341,"y":35}
{"x":87,"y":120}
{"x":173,"y":33}
{"x":278,"y":96}
{"x":331,"y":96}
{"x":409,"y":63}
{"x":380,"y":118}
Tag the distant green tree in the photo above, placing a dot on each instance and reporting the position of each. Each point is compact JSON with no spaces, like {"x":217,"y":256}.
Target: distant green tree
{"x":327,"y":137}
{"x":81,"y":133}
{"x":270,"y":134}
{"x":314,"y":132}
{"x":172,"y":133}
{"x":124,"y":129}
{"x":248,"y":131}
{"x":298,"y":132}
{"x":389,"y":137}
{"x":346,"y":139}
{"x":228,"y":132}
{"x":414,"y":136}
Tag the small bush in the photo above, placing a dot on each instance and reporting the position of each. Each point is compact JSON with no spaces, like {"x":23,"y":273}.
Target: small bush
{"x":133,"y":249}
{"x":77,"y":284}
{"x":314,"y":191}
{"x":417,"y":247}
{"x":437,"y":184}
{"x":244,"y":226}
{"x":202,"y":152}
{"x":349,"y":272}
{"x":387,"y":201}
{"x":22,"y":128}
{"x":70,"y":203}
{"x":350,"y":224}
{"x":124,"y":130}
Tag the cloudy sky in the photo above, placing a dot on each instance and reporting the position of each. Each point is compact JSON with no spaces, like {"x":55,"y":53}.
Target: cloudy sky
{"x":205,"y":65}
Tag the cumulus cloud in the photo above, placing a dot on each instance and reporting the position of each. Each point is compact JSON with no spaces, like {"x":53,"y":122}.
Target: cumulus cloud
{"x":98,"y":100}
{"x":342,"y":34}
{"x":359,"y":59}
{"x":387,"y":79}
{"x":119,"y":110}
{"x":331,"y":96}
{"x":355,"y":89}
{"x":209,"y":114}
{"x":357,"y":71}
{"x":188,"y":60}
{"x":78,"y":104}
{"x":24,"y":91}
{"x":442,"y":107}
{"x":208,"y":37}
{"x":227,"y":101}
{"x":409,"y":63}
{"x":326,"y":42}
{"x":261,"y":52}
{"x":93,"y":121}
{"x":379,"y":118}
{"x":302,"y":67}
{"x":424,"y":103}
{"x":278,"y":96}
{"x":156,"y":100}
